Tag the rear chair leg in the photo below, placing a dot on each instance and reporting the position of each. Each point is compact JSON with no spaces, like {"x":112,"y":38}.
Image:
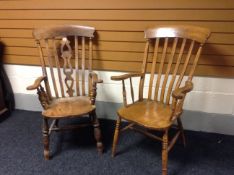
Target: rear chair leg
{"x":116,"y":136}
{"x":56,"y":123}
{"x":97,"y":132}
{"x":46,"y":138}
{"x":180,"y":125}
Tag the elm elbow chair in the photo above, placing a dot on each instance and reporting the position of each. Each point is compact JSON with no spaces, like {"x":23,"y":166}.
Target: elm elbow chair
{"x":63,"y":91}
{"x":172,"y":52}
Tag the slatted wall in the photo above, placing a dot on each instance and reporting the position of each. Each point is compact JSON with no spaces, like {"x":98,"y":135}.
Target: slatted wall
{"x":120,"y":25}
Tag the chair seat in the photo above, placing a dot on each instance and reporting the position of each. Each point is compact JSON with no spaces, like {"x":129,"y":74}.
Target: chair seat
{"x":69,"y":106}
{"x":147,"y":113}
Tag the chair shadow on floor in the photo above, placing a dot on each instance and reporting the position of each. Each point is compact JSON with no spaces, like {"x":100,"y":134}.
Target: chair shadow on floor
{"x":81,"y":138}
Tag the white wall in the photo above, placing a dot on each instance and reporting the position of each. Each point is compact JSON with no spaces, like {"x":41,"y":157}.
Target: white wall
{"x":211,"y":95}
{"x":209,"y":107}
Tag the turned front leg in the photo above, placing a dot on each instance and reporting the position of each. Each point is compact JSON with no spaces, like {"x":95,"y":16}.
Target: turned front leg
{"x":116,"y":136}
{"x":97,"y":132}
{"x":165,"y":153}
{"x":46,"y":138}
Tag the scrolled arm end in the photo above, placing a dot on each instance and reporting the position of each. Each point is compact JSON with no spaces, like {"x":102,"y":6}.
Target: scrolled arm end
{"x":94,"y":78}
{"x":181,"y":92}
{"x":36,"y":83}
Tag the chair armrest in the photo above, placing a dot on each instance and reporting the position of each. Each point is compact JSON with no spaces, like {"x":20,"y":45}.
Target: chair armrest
{"x":126,"y":76}
{"x":94,"y":78}
{"x":181,"y":92}
{"x":36,"y":83}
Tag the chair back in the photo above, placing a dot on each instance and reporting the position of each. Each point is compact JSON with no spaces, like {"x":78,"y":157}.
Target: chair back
{"x":173,"y":53}
{"x":65,"y":55}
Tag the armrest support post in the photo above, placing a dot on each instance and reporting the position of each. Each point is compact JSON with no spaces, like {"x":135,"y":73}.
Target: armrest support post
{"x":43,"y":97}
{"x":93,"y":80}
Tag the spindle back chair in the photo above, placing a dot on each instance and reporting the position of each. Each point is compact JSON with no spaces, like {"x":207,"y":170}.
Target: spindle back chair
{"x":69,"y":88}
{"x":171,"y":55}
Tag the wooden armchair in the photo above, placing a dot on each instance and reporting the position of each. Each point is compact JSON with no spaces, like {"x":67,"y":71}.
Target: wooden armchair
{"x":172,"y":52}
{"x":65,"y":92}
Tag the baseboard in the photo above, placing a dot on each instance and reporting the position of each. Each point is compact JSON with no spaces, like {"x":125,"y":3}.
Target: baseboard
{"x":192,"y":120}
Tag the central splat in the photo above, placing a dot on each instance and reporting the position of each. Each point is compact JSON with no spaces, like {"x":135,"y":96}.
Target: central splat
{"x":66,"y":54}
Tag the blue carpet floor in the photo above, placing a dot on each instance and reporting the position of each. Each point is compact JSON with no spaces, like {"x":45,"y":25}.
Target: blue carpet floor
{"x":74,"y":152}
